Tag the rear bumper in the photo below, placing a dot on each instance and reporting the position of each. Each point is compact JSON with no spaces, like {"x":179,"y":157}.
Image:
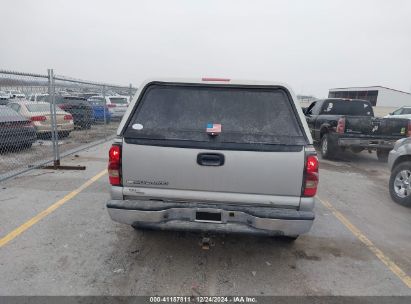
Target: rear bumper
{"x":367,"y":143}
{"x":117,"y":114}
{"x":230,"y":218}
{"x":60,"y":127}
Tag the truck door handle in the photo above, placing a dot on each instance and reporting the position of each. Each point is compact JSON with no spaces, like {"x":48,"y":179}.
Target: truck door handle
{"x":210,"y":159}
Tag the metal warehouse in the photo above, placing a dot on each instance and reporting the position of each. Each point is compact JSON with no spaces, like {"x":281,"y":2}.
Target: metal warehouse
{"x":377,"y":95}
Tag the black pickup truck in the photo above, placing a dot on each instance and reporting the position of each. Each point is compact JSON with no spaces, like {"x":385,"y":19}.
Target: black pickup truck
{"x":338,"y":124}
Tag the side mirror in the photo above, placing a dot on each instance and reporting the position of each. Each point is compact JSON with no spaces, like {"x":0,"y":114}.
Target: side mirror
{"x":392,"y":113}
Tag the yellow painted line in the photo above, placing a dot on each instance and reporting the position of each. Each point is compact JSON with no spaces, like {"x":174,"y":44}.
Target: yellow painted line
{"x":19,"y":230}
{"x":406,"y":279}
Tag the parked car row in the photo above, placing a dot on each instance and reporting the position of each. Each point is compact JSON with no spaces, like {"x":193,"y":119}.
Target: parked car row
{"x":11,"y":94}
{"x":78,"y":106}
{"x":23,"y":121}
{"x":85,"y":111}
{"x":112,"y":107}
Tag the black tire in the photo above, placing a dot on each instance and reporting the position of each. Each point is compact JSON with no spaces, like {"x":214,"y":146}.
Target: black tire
{"x":382,"y":155}
{"x":328,"y":149}
{"x":139,"y":228}
{"x":290,"y":239}
{"x":396,"y":197}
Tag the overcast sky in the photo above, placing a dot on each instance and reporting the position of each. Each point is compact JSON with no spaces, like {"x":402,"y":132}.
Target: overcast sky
{"x":312,"y":45}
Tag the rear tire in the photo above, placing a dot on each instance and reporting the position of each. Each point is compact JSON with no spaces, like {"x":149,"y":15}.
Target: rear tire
{"x":139,"y":228}
{"x":327,"y":148}
{"x":398,"y":184}
{"x":382,"y":155}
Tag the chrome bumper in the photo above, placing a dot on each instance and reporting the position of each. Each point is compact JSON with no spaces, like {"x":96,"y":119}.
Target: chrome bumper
{"x":231,"y":218}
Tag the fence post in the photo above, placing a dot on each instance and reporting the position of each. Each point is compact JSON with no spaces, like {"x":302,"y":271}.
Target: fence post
{"x":54,"y":133}
{"x":105,"y":122}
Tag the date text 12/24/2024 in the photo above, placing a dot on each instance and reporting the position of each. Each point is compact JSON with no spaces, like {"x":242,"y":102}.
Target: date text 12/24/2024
{"x":203,"y":299}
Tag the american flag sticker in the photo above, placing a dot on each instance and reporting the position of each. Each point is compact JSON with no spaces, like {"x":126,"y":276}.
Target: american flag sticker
{"x":213,"y":128}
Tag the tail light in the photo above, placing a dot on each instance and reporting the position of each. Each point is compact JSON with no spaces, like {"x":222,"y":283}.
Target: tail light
{"x":114,"y":165}
{"x":311,"y":176}
{"x":341,"y":125}
{"x":409,"y":128}
{"x":111,"y":105}
{"x":68,"y":117}
{"x":38,"y":118}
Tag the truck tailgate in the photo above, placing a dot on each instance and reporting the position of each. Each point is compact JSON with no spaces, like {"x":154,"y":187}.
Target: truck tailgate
{"x":246,"y":176}
{"x":376,"y":127}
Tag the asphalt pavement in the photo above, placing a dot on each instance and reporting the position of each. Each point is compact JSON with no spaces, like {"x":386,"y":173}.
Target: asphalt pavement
{"x":56,"y":238}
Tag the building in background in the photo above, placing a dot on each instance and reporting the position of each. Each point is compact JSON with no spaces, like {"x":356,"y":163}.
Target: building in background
{"x":378,"y":96}
{"x":306,"y":98}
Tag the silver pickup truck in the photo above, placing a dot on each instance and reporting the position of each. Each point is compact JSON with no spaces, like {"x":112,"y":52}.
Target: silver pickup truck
{"x":214,"y":155}
{"x":399,"y":161}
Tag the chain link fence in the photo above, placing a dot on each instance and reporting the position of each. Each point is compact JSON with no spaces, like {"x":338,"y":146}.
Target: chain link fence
{"x":44,"y":117}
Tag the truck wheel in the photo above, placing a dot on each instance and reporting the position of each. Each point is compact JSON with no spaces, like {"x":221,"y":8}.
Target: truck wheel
{"x":382,"y":155}
{"x":400,"y":184}
{"x":328,"y":150}
{"x":140,"y":228}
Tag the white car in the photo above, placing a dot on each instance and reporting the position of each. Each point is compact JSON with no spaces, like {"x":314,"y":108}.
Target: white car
{"x":15,"y":94}
{"x":403,"y":112}
{"x":117,"y":105}
{"x":38,"y":97}
{"x":4,"y":95}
